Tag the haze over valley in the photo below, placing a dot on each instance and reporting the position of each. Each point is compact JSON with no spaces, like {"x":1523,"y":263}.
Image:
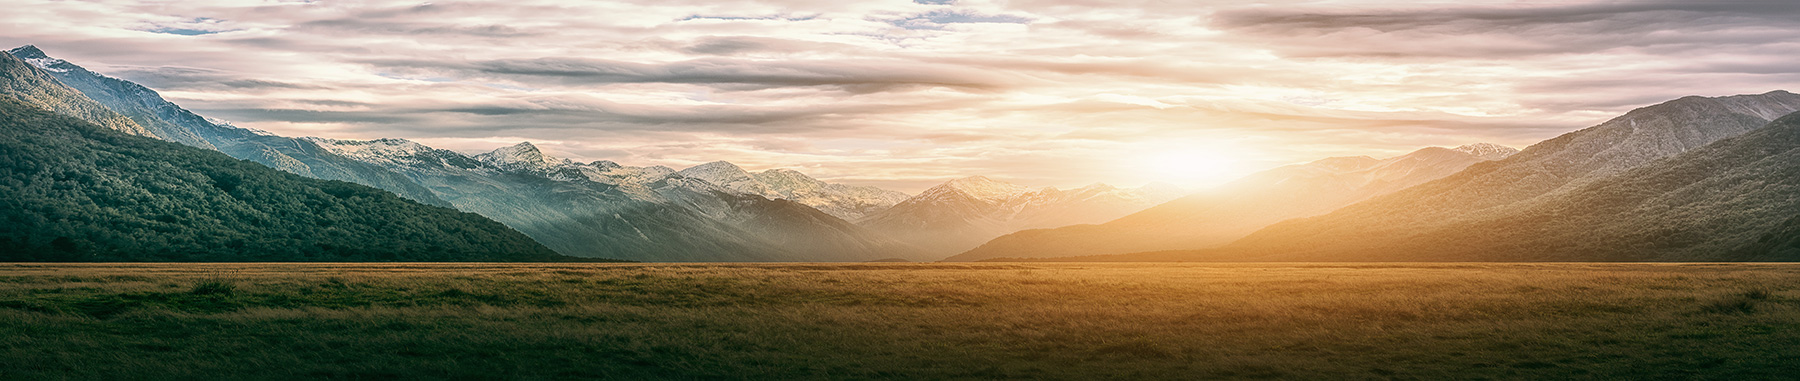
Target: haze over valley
{"x":718,"y":211}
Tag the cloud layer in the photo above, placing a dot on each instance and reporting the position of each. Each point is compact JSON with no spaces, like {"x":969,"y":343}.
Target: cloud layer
{"x":906,"y":94}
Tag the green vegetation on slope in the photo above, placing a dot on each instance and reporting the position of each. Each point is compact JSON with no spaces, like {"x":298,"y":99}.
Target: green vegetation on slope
{"x":21,"y":81}
{"x":167,"y":121}
{"x":900,"y":321}
{"x":74,"y":191}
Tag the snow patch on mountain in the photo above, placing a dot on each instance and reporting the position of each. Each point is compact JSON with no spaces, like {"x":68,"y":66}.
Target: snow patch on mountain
{"x":522,"y":157}
{"x":32,"y":55}
{"x":979,"y":187}
{"x":730,"y":176}
{"x":48,"y":64}
{"x":1487,"y":151}
{"x":370,"y":150}
{"x":843,"y":201}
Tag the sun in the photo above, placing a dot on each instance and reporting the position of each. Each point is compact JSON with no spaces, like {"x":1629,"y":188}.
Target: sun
{"x":1191,"y":166}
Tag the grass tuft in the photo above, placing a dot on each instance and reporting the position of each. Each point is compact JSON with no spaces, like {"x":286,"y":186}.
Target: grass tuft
{"x":213,"y":287}
{"x":1741,"y":303}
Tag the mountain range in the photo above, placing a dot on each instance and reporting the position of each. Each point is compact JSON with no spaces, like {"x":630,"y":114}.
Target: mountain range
{"x":104,"y":169}
{"x":710,"y":212}
{"x":602,"y":209}
{"x":156,"y":117}
{"x":1692,"y":179}
{"x":595,"y":209}
{"x":842,"y":201}
{"x":73,"y":190}
{"x":1218,"y":216}
{"x":962,"y":213}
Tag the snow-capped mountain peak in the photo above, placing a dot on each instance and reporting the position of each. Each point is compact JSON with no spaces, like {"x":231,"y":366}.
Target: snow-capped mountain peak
{"x":982,"y":187}
{"x":522,"y":156}
{"x":369,"y":149}
{"x":28,"y":51}
{"x":605,"y":165}
{"x":32,"y":55}
{"x":730,"y":176}
{"x":1487,"y":151}
{"x":843,"y":201}
{"x":717,"y":172}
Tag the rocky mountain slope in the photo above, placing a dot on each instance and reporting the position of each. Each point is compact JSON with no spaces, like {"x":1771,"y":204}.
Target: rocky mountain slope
{"x":142,"y":111}
{"x":21,"y":81}
{"x":75,"y":191}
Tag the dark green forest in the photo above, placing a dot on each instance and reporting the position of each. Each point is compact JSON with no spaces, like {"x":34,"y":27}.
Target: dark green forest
{"x":74,"y":191}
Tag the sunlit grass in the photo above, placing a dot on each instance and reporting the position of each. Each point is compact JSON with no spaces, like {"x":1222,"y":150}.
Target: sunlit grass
{"x":1041,"y":321}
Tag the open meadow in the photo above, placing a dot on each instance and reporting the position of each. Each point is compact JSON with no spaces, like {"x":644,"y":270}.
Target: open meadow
{"x":907,"y":321}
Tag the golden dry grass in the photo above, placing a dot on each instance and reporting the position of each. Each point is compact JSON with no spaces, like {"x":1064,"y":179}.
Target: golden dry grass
{"x":909,"y":321}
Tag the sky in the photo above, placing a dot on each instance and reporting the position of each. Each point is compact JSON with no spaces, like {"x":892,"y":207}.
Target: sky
{"x":905,"y":94}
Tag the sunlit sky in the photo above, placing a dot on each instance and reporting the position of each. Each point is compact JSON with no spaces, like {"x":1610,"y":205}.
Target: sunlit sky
{"x":908,"y":93}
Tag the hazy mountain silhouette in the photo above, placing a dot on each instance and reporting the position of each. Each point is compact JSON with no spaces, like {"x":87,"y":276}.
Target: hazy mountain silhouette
{"x":1550,"y":167}
{"x":1694,"y":179}
{"x":962,"y":213}
{"x":1216,"y":217}
{"x":1733,"y":200}
{"x":602,"y":209}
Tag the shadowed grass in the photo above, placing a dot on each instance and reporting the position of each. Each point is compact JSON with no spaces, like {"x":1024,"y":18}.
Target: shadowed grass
{"x":914,"y":321}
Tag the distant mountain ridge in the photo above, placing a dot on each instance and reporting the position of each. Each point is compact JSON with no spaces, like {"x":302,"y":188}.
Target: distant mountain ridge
{"x":1692,"y":179}
{"x":1216,"y":217}
{"x":608,"y":210}
{"x":962,"y":213}
{"x":1545,"y":169}
{"x":839,"y":200}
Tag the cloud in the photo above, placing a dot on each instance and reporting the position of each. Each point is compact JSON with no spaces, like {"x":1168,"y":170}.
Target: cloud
{"x":735,"y":18}
{"x":183,"y":32}
{"x":1508,"y":32}
{"x":910,"y":93}
{"x":853,"y":75}
{"x":201,"y":79}
{"x":372,"y":27}
{"x":939,"y":19}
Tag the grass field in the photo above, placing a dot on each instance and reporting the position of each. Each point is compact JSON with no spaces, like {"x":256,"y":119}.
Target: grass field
{"x":905,"y":321}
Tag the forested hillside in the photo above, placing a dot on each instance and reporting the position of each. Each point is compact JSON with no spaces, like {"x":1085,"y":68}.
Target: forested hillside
{"x":74,"y":191}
